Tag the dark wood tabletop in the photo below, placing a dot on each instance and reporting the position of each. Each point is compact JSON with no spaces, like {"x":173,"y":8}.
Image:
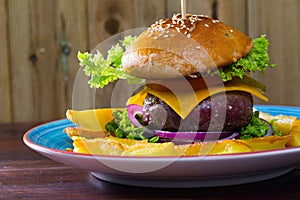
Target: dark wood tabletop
{"x":25,"y":174}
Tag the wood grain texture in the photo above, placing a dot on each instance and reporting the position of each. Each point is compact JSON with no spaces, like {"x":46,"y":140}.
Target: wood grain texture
{"x":233,"y":13}
{"x":278,"y":20}
{"x":147,"y":12}
{"x":23,"y":100}
{"x":43,"y":41}
{"x":72,"y":29}
{"x":107,"y":18}
{"x":40,"y":88}
{"x":198,"y":7}
{"x":5,"y":81}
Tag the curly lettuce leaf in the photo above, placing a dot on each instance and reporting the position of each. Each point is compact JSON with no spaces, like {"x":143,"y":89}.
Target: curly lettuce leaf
{"x":256,"y":60}
{"x":256,"y":128}
{"x":122,"y":127}
{"x":128,"y":40}
{"x":103,"y":71}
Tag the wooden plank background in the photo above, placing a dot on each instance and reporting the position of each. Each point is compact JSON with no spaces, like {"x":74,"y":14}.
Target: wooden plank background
{"x":37,"y":76}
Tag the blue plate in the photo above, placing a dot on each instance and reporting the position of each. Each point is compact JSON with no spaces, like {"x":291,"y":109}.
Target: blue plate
{"x":51,"y":135}
{"x":276,"y":110}
{"x":203,"y":171}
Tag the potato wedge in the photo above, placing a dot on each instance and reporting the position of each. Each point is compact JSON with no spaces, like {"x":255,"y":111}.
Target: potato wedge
{"x":122,"y":147}
{"x":267,"y":143}
{"x":77,"y":131}
{"x":101,"y":146}
{"x":151,"y":149}
{"x":295,"y":135}
{"x":283,"y":123}
{"x":210,"y":148}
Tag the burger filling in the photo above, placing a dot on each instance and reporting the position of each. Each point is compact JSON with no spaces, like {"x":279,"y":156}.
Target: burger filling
{"x":229,"y":110}
{"x":222,"y":112}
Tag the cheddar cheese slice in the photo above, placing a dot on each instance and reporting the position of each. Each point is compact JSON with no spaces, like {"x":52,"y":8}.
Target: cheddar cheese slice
{"x":93,"y":119}
{"x":185,"y":101}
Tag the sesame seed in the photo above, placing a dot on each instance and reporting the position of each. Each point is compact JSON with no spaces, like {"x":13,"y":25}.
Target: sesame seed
{"x":155,"y":38}
{"x":182,"y":25}
{"x":188,"y":35}
{"x":205,"y":16}
{"x":231,"y":30}
{"x":165,"y":36}
{"x":193,"y":76}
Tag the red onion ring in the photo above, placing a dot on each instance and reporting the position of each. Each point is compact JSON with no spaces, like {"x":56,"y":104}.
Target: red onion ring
{"x":271,"y":130}
{"x":234,"y":135}
{"x":191,"y":136}
{"x":133,"y":110}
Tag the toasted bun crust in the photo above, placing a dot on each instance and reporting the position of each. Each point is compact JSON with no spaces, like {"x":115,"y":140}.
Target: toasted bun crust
{"x":174,"y":48}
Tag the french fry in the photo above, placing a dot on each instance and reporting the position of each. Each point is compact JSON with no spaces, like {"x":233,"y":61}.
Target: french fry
{"x":96,"y":142}
{"x":267,"y":143}
{"x":295,"y":135}
{"x":210,"y":148}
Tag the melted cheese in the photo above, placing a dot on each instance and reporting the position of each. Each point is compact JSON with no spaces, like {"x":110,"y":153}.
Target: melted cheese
{"x":94,"y":119}
{"x":184,"y":102}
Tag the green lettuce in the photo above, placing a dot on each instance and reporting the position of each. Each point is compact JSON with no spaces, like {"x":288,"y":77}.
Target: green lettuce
{"x":256,"y":128}
{"x":103,"y":71}
{"x":122,"y":127}
{"x":256,"y":60}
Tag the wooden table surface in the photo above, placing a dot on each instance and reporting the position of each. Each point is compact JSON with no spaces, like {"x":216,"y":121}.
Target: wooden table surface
{"x":24,"y":174}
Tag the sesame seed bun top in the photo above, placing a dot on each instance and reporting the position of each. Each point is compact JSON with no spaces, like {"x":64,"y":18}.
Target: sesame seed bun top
{"x":177,"y":47}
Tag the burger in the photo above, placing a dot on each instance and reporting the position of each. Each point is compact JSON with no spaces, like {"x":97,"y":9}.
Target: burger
{"x":196,"y":79}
